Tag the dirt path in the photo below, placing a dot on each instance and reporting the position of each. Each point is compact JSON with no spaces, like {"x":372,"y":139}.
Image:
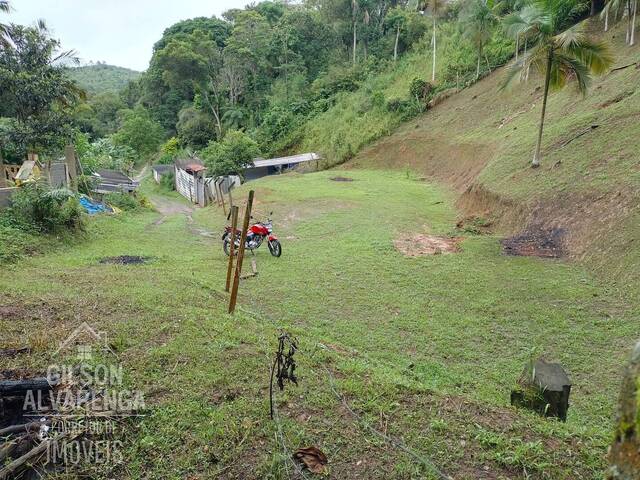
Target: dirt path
{"x":167,"y":208}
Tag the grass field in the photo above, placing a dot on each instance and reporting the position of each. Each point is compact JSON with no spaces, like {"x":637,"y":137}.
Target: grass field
{"x":423,"y":349}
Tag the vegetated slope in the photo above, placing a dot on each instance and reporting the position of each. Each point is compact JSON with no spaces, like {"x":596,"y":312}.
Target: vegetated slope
{"x":101,"y":78}
{"x":481,"y":142}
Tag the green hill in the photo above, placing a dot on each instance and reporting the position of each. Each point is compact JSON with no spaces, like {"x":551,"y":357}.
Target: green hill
{"x":102,"y":78}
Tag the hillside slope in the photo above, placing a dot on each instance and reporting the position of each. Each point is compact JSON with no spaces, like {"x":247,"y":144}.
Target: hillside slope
{"x":481,"y":140}
{"x":101,"y":78}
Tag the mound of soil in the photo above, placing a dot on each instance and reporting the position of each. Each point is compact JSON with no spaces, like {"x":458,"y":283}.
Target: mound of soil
{"x":125,"y":260}
{"x":422,"y":244}
{"x":546,"y":243}
{"x":342,"y":179}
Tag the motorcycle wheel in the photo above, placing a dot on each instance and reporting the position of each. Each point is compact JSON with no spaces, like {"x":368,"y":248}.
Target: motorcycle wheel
{"x":275,"y":248}
{"x":225,"y":246}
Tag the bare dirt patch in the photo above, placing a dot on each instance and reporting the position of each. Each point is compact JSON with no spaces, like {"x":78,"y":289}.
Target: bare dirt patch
{"x":546,"y":243}
{"x":341,"y":179}
{"x":422,"y":244}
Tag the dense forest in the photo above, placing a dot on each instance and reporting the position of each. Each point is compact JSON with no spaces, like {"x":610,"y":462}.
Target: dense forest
{"x":328,"y":75}
{"x":100,"y":77}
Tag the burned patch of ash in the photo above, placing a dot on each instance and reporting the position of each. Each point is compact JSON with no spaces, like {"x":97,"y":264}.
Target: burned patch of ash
{"x":125,"y":260}
{"x":537,"y":242}
{"x":341,"y":179}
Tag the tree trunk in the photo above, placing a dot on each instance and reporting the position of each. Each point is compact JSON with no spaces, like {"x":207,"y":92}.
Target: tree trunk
{"x":606,"y":21}
{"x":355,"y":41}
{"x":633,"y":23}
{"x":547,"y":79}
{"x":395,"y":47}
{"x":479,"y":60}
{"x":433,"y":69}
{"x":628,"y":9}
{"x":517,"y":45}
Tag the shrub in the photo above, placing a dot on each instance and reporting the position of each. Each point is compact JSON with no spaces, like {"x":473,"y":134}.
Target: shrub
{"x":123,"y":201}
{"x":105,"y":154}
{"x":168,"y":181}
{"x":420,"y":89}
{"x":230,"y":156}
{"x":46,"y":210}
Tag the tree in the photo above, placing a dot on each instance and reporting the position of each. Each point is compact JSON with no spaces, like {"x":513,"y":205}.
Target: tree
{"x":615,"y":9}
{"x":4,"y":8}
{"x":195,"y":128}
{"x":478,"y":21}
{"x":35,"y":89}
{"x":139,"y":132}
{"x":436,"y":9}
{"x":230,"y":156}
{"x":525,"y":24}
{"x":396,"y":20}
{"x":195,"y":62}
{"x":561,"y":56}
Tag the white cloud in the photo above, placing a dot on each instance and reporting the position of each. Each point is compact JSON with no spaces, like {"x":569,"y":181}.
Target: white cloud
{"x":118,"y":32}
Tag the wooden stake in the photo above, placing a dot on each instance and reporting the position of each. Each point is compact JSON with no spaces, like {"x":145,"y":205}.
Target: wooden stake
{"x":243,"y":239}
{"x":224,"y":208}
{"x":232,"y":248}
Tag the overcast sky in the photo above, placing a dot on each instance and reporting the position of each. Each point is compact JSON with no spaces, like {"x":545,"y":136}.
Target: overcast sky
{"x":119,"y":32}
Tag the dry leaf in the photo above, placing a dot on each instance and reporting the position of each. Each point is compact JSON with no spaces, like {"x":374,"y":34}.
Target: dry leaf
{"x":312,"y":458}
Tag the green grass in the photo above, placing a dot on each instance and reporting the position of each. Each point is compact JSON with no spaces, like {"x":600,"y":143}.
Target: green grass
{"x":425,"y":349}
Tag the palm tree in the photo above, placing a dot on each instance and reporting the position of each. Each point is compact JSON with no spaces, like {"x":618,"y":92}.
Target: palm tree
{"x":477,"y":21}
{"x":560,"y":57}
{"x":5,"y":7}
{"x":615,"y":9}
{"x":436,"y":9}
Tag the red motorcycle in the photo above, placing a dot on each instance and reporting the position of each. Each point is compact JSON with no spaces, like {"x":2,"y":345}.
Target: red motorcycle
{"x":256,"y":234}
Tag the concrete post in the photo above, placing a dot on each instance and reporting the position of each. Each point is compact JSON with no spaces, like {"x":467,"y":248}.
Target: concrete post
{"x":70,"y":160}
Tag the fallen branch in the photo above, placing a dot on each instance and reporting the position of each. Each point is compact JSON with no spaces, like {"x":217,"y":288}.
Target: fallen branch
{"x":8,"y":471}
{"x":13,"y":352}
{"x":579,"y":134}
{"x":13,"y":387}
{"x":623,"y":67}
{"x":26,"y":427}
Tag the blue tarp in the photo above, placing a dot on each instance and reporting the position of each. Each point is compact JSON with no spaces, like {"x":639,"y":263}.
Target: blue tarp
{"x":94,"y":208}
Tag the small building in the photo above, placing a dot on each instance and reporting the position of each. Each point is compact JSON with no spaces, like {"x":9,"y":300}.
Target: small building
{"x":110,"y":181}
{"x":190,"y":180}
{"x":262,"y":167}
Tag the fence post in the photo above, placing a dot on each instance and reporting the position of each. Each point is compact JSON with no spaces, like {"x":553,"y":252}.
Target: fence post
{"x":232,"y":247}
{"x":70,"y":160}
{"x":3,"y":173}
{"x":224,"y":208}
{"x":243,"y":239}
{"x":230,"y":197}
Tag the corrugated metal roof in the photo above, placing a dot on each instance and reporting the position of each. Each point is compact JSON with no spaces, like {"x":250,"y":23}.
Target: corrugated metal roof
{"x":194,"y":167}
{"x":303,"y":157}
{"x":112,"y":176}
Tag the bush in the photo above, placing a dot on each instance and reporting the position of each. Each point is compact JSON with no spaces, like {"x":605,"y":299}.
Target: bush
{"x":230,"y":156}
{"x":123,"y":201}
{"x":168,"y":181}
{"x":420,"y":89}
{"x":105,"y":154}
{"x":44,"y":210}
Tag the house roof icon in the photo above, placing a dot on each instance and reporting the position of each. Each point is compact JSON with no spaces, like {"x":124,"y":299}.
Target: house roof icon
{"x":85,"y":332}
